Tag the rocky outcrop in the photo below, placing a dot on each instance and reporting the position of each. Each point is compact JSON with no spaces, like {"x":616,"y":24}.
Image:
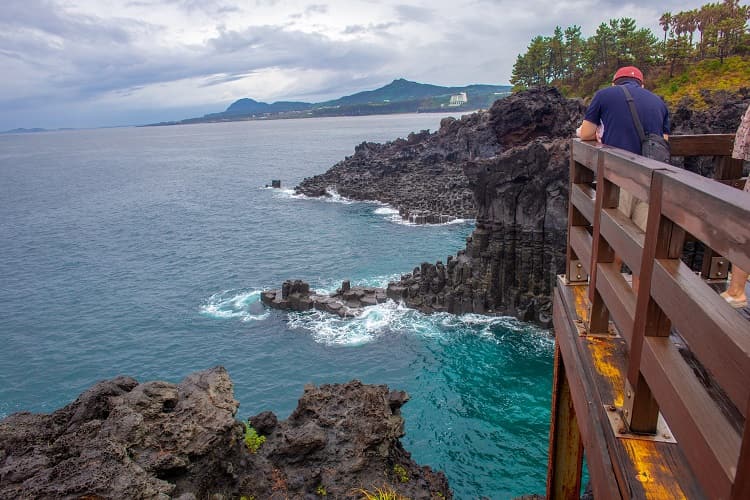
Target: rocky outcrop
{"x":721,"y":115}
{"x":518,"y":246}
{"x":421,"y":175}
{"x":347,"y":301}
{"x":505,"y":167}
{"x":124,"y":439}
{"x":512,"y":162}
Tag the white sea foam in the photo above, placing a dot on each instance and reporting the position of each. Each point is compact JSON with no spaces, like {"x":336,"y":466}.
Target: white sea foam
{"x":391,"y":318}
{"x":331,"y":196}
{"x":396,"y":218}
{"x":335,"y":197}
{"x":241,"y":304}
{"x":386,"y":210}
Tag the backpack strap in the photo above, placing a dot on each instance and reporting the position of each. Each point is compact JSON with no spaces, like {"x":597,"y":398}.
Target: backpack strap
{"x":634,"y":112}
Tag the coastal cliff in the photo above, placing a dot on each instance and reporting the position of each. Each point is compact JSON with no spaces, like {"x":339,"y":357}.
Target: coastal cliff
{"x":125,"y":439}
{"x":507,"y":167}
{"x":510,"y":261}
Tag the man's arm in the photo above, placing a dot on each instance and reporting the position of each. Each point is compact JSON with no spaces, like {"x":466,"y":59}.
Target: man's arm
{"x":587,"y":131}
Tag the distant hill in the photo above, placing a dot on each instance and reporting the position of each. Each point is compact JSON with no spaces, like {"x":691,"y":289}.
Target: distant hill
{"x":405,"y":90}
{"x":251,"y":106}
{"x":399,"y":96}
{"x":23,"y":131}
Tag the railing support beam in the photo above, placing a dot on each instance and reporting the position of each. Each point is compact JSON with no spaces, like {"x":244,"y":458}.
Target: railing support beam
{"x":565,"y":441}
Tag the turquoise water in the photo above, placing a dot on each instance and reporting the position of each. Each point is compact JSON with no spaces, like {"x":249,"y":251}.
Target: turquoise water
{"x":142,"y":251}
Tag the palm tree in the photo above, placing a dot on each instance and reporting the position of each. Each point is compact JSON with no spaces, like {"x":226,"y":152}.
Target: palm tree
{"x":665,"y":21}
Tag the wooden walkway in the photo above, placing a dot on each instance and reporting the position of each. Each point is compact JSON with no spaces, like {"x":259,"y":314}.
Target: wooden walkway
{"x":652,"y":381}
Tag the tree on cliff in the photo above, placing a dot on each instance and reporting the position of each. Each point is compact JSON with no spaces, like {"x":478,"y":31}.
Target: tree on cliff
{"x":580,"y":66}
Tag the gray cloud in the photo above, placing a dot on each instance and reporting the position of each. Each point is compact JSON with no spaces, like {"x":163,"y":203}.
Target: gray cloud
{"x":356,"y":29}
{"x":51,"y":52}
{"x":416,"y":14}
{"x":316,"y":9}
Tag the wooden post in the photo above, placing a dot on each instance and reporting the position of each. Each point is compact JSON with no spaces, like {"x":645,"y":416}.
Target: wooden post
{"x":565,"y":442}
{"x":725,"y":168}
{"x":607,"y":195}
{"x":578,"y":175}
{"x":664,"y":240}
{"x":741,"y":486}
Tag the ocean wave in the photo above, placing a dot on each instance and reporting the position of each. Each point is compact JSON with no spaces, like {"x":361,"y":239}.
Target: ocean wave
{"x":241,"y":304}
{"x":386,"y":210}
{"x":331,"y":196}
{"x":392,"y":318}
{"x":398,"y":220}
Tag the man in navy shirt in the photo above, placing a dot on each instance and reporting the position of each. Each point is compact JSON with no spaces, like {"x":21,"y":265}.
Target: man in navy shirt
{"x":610,"y":108}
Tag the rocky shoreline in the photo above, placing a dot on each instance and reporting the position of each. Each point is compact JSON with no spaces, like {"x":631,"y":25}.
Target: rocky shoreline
{"x":125,"y":439}
{"x":507,"y":168}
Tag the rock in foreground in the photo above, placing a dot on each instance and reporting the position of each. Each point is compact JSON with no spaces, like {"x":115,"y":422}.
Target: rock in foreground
{"x":124,"y":439}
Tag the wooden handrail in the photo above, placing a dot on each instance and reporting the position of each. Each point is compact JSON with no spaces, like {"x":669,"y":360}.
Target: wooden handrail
{"x":701,"y":145}
{"x":658,"y":377}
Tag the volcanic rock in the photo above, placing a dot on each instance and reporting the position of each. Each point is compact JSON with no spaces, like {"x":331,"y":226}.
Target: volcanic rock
{"x":347,"y":301}
{"x":518,"y":246}
{"x":124,"y":439}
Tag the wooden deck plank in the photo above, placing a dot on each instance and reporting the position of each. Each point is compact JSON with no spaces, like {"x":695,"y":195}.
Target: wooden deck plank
{"x":648,"y":469}
{"x":592,"y":430}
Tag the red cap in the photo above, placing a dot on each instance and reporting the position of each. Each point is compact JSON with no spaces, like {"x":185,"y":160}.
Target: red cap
{"x":629,"y":72}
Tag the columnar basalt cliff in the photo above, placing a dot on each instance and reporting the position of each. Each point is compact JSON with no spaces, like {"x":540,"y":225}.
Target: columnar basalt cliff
{"x":517,"y":248}
{"x":512,"y":163}
{"x":122,"y":439}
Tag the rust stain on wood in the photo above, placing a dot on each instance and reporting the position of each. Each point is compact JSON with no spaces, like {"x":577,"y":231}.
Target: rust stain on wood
{"x":581,"y":295}
{"x":603,"y":352}
{"x":657,"y":480}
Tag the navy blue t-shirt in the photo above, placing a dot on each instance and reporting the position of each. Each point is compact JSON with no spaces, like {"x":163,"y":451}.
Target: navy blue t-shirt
{"x":610,"y":107}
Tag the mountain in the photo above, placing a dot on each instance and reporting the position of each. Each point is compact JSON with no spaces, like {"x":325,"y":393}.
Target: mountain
{"x":399,"y":96}
{"x":251,"y":106}
{"x":404,"y":90}
{"x":23,"y":131}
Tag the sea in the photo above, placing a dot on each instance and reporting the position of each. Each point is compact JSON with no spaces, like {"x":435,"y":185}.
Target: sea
{"x":143,"y":252}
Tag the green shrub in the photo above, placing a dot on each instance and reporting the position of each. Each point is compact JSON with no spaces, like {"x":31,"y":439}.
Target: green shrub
{"x":252,"y":439}
{"x":401,"y":473}
{"x":321,"y":491}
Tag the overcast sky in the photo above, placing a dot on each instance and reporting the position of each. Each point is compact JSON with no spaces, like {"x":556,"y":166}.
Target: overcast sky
{"x":90,"y":63}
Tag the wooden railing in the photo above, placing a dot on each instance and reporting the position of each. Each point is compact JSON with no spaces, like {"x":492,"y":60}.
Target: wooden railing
{"x":664,"y":296}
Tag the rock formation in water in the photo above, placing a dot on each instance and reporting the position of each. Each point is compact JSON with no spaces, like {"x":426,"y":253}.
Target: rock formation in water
{"x":124,"y":439}
{"x":347,"y":301}
{"x":518,"y":246}
{"x":421,"y":175}
{"x":508,"y":168}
